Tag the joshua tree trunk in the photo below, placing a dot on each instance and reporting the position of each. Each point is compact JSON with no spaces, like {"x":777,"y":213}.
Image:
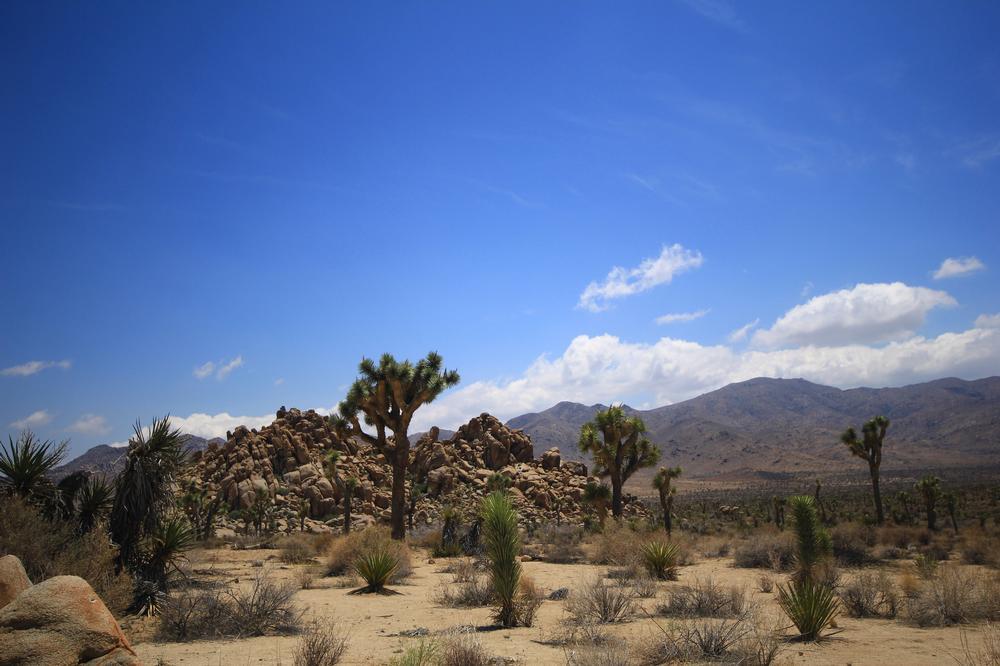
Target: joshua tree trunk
{"x":616,"y":494}
{"x":399,"y":487}
{"x":931,"y":517}
{"x":668,"y":507}
{"x":348,"y":498}
{"x":877,"y":495}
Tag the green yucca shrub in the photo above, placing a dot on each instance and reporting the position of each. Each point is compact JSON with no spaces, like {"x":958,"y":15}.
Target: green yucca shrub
{"x":503,"y":545}
{"x":811,"y":606}
{"x":376,"y":567}
{"x":660,"y":559}
{"x":813,"y":543}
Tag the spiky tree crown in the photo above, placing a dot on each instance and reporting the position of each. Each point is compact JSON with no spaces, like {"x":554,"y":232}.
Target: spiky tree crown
{"x":614,"y":436}
{"x":930,"y":488}
{"x":869,"y":445}
{"x":664,"y":476}
{"x":596,"y":493}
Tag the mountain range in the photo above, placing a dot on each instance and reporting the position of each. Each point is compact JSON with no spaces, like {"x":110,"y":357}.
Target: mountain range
{"x":764,"y":426}
{"x":107,"y":460}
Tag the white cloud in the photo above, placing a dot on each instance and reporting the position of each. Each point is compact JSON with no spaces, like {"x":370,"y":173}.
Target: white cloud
{"x":118,"y":445}
{"x":34,"y":367}
{"x":33,"y":420}
{"x":220,"y":369}
{"x":957,"y":267}
{"x":680,"y":317}
{"x":744,"y":330}
{"x":988,"y":321}
{"x":216,"y":425}
{"x":866,"y":313}
{"x":279,"y":381}
{"x":204,"y":370}
{"x":91,"y":424}
{"x":719,"y":11}
{"x":224,"y":370}
{"x":621,"y":282}
{"x":605,"y":368}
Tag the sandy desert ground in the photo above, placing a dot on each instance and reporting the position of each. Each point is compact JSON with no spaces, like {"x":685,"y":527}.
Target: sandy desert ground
{"x":375,"y":623}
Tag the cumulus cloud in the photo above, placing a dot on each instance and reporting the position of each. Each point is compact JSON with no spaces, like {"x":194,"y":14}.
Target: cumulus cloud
{"x":221,"y":370}
{"x":864,"y":314}
{"x":91,"y":424}
{"x":621,"y":282}
{"x":33,"y":420}
{"x":680,"y":317}
{"x":988,"y":321}
{"x":216,"y":425}
{"x":33,"y":368}
{"x":605,"y":368}
{"x":958,"y":267}
{"x":743,"y":331}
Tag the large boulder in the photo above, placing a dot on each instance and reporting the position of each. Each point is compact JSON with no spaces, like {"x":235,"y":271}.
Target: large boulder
{"x":62,"y":621}
{"x":13,"y":579}
{"x":551,"y":459}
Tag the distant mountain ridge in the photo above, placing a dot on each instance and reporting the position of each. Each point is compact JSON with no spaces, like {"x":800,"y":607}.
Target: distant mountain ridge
{"x":107,"y":460}
{"x":789,"y":425}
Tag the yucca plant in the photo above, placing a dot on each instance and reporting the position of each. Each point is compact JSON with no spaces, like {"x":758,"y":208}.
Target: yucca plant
{"x":660,"y":559}
{"x":503,"y":545}
{"x":813,"y":544}
{"x":164,"y":549}
{"x":376,"y":568}
{"x":25,"y":463}
{"x":811,"y":606}
{"x":93,"y":502}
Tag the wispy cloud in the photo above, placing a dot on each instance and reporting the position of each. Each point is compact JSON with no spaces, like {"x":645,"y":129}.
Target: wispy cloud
{"x":33,"y":420}
{"x":718,"y":11}
{"x":91,"y":424}
{"x":220,"y":369}
{"x":621,"y":282}
{"x":34,"y":367}
{"x":743,"y":331}
{"x":979,"y":151}
{"x":680,"y":317}
{"x":958,"y":267}
{"x":279,"y":381}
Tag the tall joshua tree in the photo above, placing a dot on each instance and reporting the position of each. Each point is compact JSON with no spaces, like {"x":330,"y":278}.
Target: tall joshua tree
{"x":869,"y":449}
{"x":929,"y":488}
{"x":619,"y":447}
{"x":662,"y":484}
{"x":386,"y":395}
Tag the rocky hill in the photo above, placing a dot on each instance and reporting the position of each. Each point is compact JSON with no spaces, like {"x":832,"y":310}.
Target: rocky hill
{"x":792,"y":425}
{"x":286,"y":462}
{"x":107,"y":460}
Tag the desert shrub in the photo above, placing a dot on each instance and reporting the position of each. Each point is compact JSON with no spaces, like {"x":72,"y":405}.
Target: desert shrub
{"x":870,"y":595}
{"x":321,"y":645}
{"x":560,"y":544}
{"x":343,"y":552}
{"x":376,"y":567}
{"x":464,"y":650}
{"x":263,"y":606}
{"x":765,"y":583}
{"x":811,"y":606}
{"x":765,"y":552}
{"x":852,"y":544}
{"x":462,"y":570}
{"x":617,"y":545}
{"x":988,"y":654}
{"x":610,"y":653}
{"x":306,"y":578}
{"x":738,"y":641}
{"x":424,"y":653}
{"x":980,"y":550}
{"x":190,"y":613}
{"x":715,"y":547}
{"x":529,"y":598}
{"x":472,"y":591}
{"x":296,"y":549}
{"x":937,"y":550}
{"x":596,"y":602}
{"x":925,"y":566}
{"x":53,"y":548}
{"x":644,"y":587}
{"x":660,"y":559}
{"x":714,"y":640}
{"x":954,"y":596}
{"x":705,"y":599}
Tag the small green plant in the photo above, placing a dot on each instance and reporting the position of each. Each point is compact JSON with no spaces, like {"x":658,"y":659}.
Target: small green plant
{"x":813,"y":543}
{"x":425,"y":653}
{"x":812,"y":607}
{"x":660,"y":559}
{"x":926,"y":566}
{"x":503,"y":545}
{"x":376,"y":567}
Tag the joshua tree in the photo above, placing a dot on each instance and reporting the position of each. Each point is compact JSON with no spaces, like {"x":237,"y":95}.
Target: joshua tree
{"x":503,"y":546}
{"x":417,"y":490}
{"x":662,"y":484}
{"x":25,"y":463}
{"x":350,"y":485}
{"x":498,"y":482}
{"x":387,"y":395}
{"x":869,"y":449}
{"x":905,"y":515}
{"x":619,"y":447}
{"x":303,"y":514}
{"x":779,"y":511}
{"x":598,"y":496}
{"x":951,"y":503}
{"x":144,"y":487}
{"x":929,"y":488}
{"x":200,"y":511}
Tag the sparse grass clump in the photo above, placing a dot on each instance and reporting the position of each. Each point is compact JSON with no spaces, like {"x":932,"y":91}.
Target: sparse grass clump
{"x":954,"y":596}
{"x":870,"y":595}
{"x":321,"y":645}
{"x":297,"y":549}
{"x":560,"y":544}
{"x":706,"y":599}
{"x":617,"y":545}
{"x":464,"y":650}
{"x":596,"y":602}
{"x":470,"y":592}
{"x":766,"y":551}
{"x":424,"y":653}
{"x":264,"y":606}
{"x":981,"y":550}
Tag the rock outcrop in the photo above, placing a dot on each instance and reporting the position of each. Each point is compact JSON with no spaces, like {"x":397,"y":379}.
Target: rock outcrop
{"x":61,"y":621}
{"x":13,"y":579}
{"x":287,"y":462}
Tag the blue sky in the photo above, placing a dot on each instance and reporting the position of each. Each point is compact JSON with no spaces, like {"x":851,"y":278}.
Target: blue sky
{"x":214,"y":209}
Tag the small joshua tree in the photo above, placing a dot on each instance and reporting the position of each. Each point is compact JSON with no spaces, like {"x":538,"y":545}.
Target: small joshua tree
{"x":498,"y":482}
{"x":869,"y":449}
{"x":597,"y":495}
{"x":808,"y":602}
{"x":619,"y":447}
{"x":779,"y":511}
{"x":350,"y":485}
{"x":662,"y":484}
{"x":929,"y":488}
{"x":951,"y":503}
{"x":503,"y":545}
{"x":387,"y":395}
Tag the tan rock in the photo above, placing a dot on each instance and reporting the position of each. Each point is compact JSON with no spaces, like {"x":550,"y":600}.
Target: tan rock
{"x":13,"y":579}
